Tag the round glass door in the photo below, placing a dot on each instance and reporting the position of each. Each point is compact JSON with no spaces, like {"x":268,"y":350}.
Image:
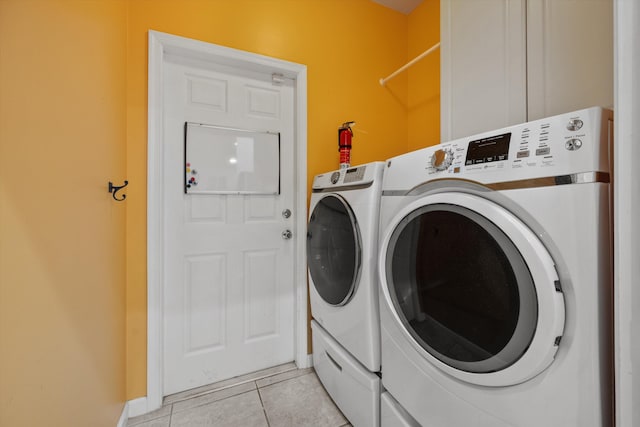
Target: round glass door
{"x":462,"y":288}
{"x":333,"y":250}
{"x":473,"y":289}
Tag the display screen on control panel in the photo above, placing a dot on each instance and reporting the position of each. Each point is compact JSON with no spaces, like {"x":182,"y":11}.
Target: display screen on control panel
{"x":354,"y":174}
{"x":491,"y":149}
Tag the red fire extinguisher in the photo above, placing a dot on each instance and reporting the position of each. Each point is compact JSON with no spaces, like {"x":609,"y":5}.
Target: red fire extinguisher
{"x":345,"y":134}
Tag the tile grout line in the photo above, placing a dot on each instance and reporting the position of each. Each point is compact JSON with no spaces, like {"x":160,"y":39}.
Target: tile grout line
{"x":204,"y":393}
{"x":172,"y":409}
{"x":286,"y":379}
{"x":264,"y":410}
{"x":199,"y":405}
{"x":255,"y":380}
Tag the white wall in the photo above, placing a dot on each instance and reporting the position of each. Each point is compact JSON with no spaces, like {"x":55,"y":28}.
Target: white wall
{"x":627,"y":211}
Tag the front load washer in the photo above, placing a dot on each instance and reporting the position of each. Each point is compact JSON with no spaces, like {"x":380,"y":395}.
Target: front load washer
{"x":495,"y":272}
{"x":342,"y":241}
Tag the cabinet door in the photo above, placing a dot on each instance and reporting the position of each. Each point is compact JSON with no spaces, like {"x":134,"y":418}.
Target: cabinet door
{"x":483,"y":65}
{"x":570,"y":55}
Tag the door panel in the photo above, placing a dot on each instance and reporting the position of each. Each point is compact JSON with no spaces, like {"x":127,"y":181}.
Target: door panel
{"x":206,"y":209}
{"x":228,"y":290}
{"x":261,"y":278}
{"x":204,"y":301}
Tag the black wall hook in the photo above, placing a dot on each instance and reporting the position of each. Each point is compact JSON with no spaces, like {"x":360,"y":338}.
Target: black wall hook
{"x":113,"y":189}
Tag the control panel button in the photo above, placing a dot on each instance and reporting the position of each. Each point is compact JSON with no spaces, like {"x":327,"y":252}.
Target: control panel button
{"x":543,"y":151}
{"x":573,"y":144}
{"x":574,"y":124}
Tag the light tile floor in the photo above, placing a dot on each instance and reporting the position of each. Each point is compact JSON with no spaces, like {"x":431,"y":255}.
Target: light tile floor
{"x":282,"y":396}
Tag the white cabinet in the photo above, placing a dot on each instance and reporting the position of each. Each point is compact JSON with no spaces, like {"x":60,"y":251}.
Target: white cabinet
{"x":504,"y":62}
{"x":569,"y":55}
{"x":483,"y":65}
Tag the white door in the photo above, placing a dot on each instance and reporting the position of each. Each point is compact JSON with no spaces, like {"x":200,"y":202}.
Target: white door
{"x":228,"y":288}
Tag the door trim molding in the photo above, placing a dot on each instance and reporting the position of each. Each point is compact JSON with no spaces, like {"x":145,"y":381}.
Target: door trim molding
{"x":161,"y":44}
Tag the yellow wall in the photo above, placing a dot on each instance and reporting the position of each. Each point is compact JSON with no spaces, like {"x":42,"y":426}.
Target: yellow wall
{"x":424,"y":76}
{"x":73,"y":105}
{"x":347,"y":45}
{"x":62,"y":268}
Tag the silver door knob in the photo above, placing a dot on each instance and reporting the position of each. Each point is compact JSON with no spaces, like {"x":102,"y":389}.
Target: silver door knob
{"x":286,"y":234}
{"x":286,"y":213}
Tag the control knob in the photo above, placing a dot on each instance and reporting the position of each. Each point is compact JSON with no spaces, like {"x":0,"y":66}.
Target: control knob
{"x":574,"y":124}
{"x":441,"y":159}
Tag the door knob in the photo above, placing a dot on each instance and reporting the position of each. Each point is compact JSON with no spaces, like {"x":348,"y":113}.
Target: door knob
{"x":286,"y":234}
{"x":286,"y":213}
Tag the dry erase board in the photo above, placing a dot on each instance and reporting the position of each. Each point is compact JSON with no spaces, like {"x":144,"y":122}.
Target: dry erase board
{"x":222,"y":160}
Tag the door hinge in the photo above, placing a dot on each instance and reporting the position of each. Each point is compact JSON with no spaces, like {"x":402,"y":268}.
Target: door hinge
{"x":277,"y":78}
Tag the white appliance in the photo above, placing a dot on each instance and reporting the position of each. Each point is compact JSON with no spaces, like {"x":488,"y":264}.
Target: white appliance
{"x":495,"y":271}
{"x":355,"y":390}
{"x":342,"y":241}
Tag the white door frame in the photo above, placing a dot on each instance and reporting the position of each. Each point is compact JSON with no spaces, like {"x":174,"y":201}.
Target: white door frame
{"x":159,"y":45}
{"x":626,"y":234}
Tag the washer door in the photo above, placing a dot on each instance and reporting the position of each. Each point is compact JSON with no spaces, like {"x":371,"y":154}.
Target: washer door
{"x":333,"y":250}
{"x":474,"y":290}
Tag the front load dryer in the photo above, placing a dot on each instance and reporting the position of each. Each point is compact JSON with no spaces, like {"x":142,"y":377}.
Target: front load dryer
{"x":342,"y":239}
{"x":495,"y":272}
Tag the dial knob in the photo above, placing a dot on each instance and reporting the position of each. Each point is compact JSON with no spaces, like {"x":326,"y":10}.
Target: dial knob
{"x":574,"y":124}
{"x":441,"y":159}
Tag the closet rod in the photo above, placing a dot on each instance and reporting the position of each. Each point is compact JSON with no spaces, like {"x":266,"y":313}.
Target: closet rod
{"x":409,"y":64}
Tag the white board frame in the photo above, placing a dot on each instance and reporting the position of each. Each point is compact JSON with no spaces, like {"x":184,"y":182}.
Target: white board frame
{"x":200,"y":178}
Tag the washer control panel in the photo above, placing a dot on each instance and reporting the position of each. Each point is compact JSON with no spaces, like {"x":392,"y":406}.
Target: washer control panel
{"x":540,"y":144}
{"x":356,"y":176}
{"x":569,"y":143}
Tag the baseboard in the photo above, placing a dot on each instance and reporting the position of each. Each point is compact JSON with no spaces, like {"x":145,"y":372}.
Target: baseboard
{"x":124,"y":416}
{"x":137,"y":407}
{"x":309,"y":361}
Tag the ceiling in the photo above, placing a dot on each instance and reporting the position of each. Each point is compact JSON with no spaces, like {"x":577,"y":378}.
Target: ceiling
{"x":403,"y":6}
